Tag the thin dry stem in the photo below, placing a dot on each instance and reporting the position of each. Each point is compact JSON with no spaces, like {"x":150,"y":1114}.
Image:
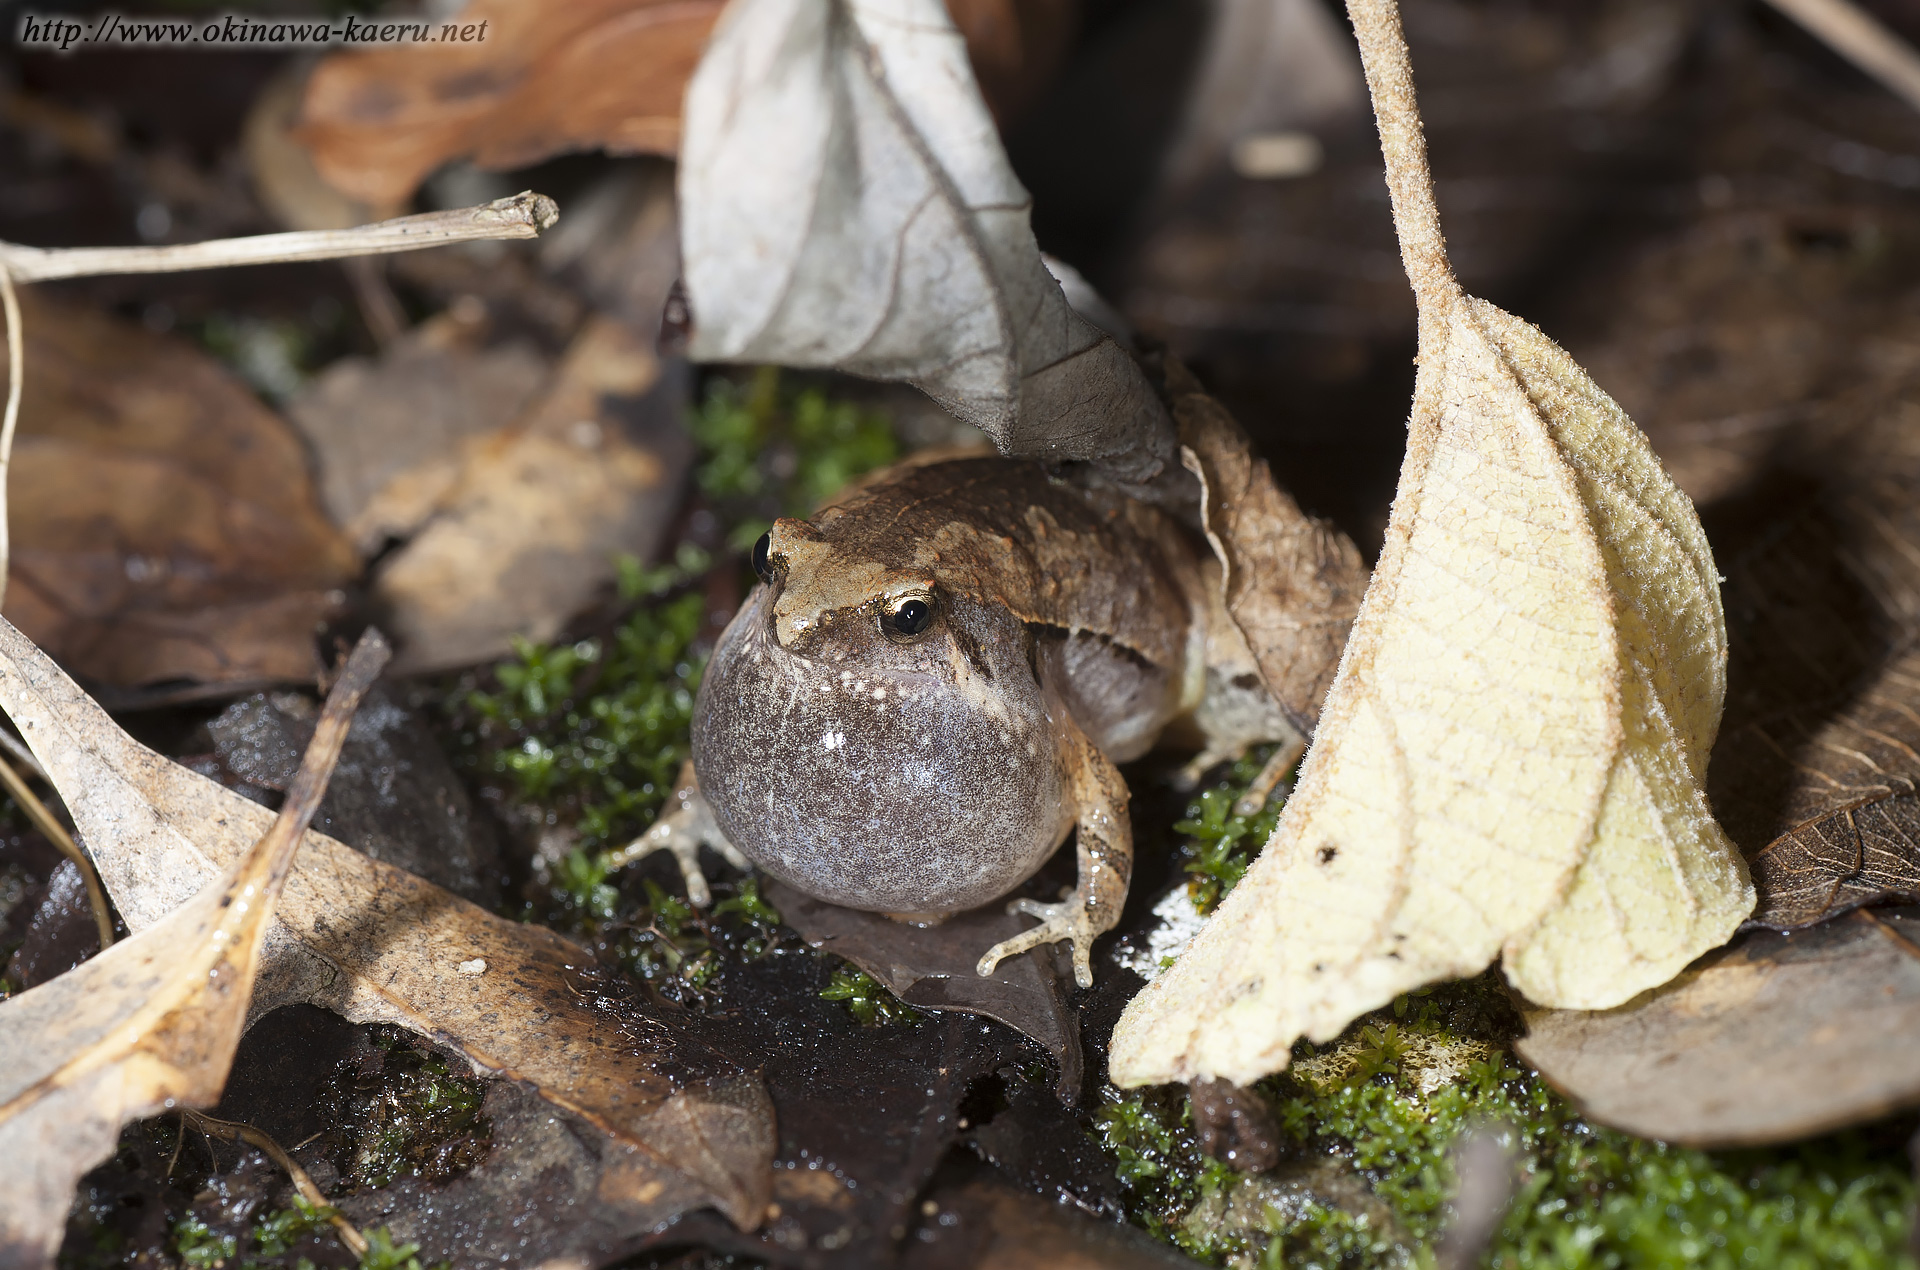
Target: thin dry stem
{"x":521,"y":216}
{"x":302,"y":1180}
{"x":16,"y":365}
{"x":369,"y":657}
{"x":23,"y":756}
{"x":56,"y":832}
{"x":1416,"y":218}
{"x":1862,"y":39}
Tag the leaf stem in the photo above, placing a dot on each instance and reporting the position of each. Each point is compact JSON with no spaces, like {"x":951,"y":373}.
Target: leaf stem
{"x":1403,"y":142}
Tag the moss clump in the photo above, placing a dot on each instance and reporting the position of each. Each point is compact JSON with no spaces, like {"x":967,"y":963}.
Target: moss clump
{"x":769,"y":451}
{"x":199,"y":1246}
{"x":1371,"y":1120}
{"x":868,"y":1000}
{"x":594,"y":731}
{"x":1219,"y":843}
{"x":407,"y":1113}
{"x":1387,"y":1103}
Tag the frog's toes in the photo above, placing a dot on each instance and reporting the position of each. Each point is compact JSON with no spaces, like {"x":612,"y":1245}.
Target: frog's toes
{"x":682,"y":832}
{"x":1069,"y":920}
{"x":685,"y":848}
{"x":1203,"y":762}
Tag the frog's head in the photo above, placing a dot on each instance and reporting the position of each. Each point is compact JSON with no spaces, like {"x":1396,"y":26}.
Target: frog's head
{"x":874,"y":739}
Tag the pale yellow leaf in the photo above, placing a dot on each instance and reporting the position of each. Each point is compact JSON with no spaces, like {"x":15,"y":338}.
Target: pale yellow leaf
{"x":1510,"y":759}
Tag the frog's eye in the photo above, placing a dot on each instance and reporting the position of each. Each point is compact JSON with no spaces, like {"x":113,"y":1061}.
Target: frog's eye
{"x":908,"y":617}
{"x":762,"y":561}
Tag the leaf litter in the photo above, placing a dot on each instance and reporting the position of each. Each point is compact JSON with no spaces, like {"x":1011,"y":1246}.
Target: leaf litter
{"x":1812,"y":507}
{"x":1809,"y":1201}
{"x":152,"y":1022}
{"x":684,"y":1125}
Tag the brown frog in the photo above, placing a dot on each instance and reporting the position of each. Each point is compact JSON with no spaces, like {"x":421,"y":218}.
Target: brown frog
{"x":931,"y":686}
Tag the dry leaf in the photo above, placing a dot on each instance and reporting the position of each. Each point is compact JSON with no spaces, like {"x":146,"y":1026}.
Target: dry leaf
{"x":684,"y":1125}
{"x":153,"y":1021}
{"x":1511,"y":758}
{"x":1864,"y":848}
{"x":1812,"y":509}
{"x":1775,"y":1038}
{"x":524,"y":536}
{"x":387,"y":433}
{"x":1292,"y":583}
{"x":845,"y":203}
{"x":936,"y":967}
{"x":164,"y":524}
{"x":590,"y":74}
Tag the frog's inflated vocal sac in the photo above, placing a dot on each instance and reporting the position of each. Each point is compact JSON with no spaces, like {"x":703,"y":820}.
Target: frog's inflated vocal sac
{"x":931,"y":685}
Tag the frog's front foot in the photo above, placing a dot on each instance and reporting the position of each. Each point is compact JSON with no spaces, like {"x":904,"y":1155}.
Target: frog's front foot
{"x":1069,"y":919}
{"x":683,"y":830}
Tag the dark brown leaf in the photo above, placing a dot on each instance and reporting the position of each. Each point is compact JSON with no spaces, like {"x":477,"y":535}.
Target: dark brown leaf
{"x":1774,"y":1037}
{"x":934,"y":967}
{"x":984,"y":1224}
{"x":1292,"y":582}
{"x":164,"y":524}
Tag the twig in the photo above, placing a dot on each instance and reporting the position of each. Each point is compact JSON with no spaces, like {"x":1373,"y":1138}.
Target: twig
{"x":1862,"y":39}
{"x":16,"y":367}
{"x":43,"y":819}
{"x":522,"y":216}
{"x":1403,"y":142}
{"x":302,"y":1181}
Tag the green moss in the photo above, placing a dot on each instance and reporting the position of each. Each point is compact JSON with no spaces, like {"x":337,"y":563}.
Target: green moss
{"x":594,"y":731}
{"x":1219,"y":844}
{"x":867,"y":998}
{"x":1370,"y":1121}
{"x":383,"y":1254}
{"x":1389,"y":1100}
{"x":200,"y":1247}
{"x":412,"y":1116}
{"x":767,"y":450}
{"x":276,"y":1233}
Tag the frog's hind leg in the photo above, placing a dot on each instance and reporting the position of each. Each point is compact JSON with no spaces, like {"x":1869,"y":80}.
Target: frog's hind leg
{"x":1285,"y":756}
{"x":1104,"y":843}
{"x":683,"y":829}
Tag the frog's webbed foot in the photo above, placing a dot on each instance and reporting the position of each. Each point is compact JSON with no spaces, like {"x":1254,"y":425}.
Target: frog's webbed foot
{"x":1104,"y":843}
{"x":1070,"y":919}
{"x":683,"y":829}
